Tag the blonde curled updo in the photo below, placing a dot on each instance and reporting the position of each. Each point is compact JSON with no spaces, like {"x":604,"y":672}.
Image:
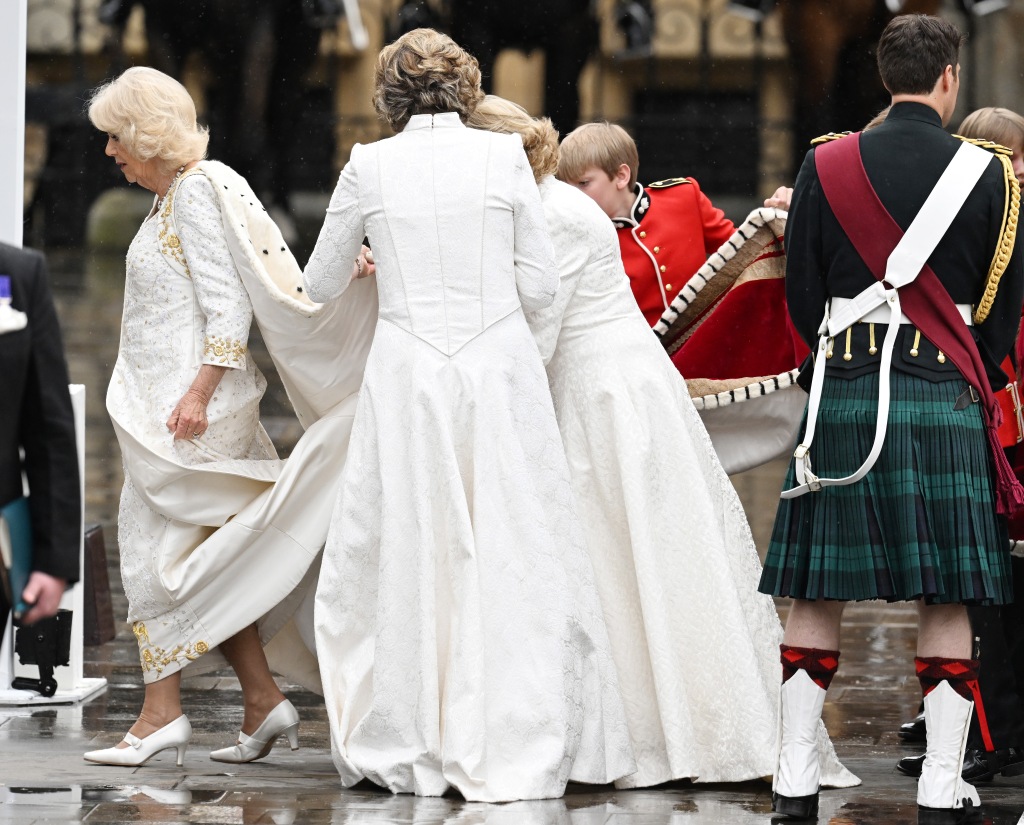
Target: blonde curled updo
{"x":540,"y":138}
{"x":153,"y":116}
{"x":424,"y":72}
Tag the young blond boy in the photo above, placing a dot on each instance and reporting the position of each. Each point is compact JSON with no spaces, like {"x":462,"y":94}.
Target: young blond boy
{"x":666,"y":229}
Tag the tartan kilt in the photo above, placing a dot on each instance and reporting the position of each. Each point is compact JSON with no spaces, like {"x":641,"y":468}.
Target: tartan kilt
{"x":922,"y":523}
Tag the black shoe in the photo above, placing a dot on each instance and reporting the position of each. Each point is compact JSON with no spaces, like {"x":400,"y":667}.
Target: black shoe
{"x":911,"y":765}
{"x":1014,"y":764}
{"x":914,"y":730}
{"x":979,"y":765}
{"x":794,"y":807}
{"x":969,"y":814}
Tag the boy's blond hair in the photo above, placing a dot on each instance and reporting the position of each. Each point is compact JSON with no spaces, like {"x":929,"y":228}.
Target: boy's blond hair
{"x":604,"y":145}
{"x":996,"y":124}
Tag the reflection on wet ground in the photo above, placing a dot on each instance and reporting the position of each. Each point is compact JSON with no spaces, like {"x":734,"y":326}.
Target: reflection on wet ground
{"x":43,"y":778}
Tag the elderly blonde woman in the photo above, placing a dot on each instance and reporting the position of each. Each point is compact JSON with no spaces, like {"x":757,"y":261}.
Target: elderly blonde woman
{"x":694,"y":643}
{"x":457,"y":622}
{"x":184,"y":400}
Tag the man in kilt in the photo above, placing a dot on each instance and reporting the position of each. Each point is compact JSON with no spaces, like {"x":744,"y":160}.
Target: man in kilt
{"x":908,"y":482}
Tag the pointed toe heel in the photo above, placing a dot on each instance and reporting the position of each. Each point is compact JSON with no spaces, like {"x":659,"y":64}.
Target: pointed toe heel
{"x":175,"y":735}
{"x":283,"y":719}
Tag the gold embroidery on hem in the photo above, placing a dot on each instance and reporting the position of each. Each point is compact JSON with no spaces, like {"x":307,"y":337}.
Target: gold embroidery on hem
{"x":155,"y":658}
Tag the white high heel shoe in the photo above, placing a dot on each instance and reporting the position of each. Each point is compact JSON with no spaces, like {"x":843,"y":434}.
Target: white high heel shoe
{"x":172,"y":735}
{"x":282,"y":719}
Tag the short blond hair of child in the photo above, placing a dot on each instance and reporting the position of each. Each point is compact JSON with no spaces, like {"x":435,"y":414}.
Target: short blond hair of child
{"x":997,"y":124}
{"x":604,"y":145}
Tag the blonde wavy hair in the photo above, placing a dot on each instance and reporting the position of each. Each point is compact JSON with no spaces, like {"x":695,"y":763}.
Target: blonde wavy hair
{"x":153,"y":117}
{"x":424,"y":72}
{"x":540,"y":138}
{"x":604,"y":145}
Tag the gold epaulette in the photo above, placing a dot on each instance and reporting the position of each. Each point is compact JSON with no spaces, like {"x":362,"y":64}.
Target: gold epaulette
{"x":830,"y":136}
{"x":665,"y":184}
{"x":991,"y":146}
{"x":1008,"y":231}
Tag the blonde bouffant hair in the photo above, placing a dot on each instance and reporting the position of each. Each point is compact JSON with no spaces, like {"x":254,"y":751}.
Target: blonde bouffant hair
{"x":153,"y":117}
{"x":540,"y":138}
{"x":425,"y":72}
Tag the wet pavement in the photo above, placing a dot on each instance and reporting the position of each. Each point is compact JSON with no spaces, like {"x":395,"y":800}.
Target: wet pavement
{"x":43,"y":778}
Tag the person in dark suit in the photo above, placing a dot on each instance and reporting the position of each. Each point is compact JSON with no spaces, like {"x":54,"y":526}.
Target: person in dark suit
{"x":922,"y":524}
{"x":36,"y":419}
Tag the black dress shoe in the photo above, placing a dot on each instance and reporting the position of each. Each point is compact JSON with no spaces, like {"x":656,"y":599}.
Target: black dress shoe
{"x":914,"y":730}
{"x":911,"y":765}
{"x":970,"y":814}
{"x":979,"y":765}
{"x":794,"y":807}
{"x":1014,"y":764}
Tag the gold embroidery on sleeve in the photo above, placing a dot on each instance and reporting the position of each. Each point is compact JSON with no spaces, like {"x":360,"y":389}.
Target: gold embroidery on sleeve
{"x":225,"y":350}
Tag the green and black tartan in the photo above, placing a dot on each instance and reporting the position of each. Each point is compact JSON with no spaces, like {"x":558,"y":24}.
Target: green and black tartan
{"x":922,"y":523}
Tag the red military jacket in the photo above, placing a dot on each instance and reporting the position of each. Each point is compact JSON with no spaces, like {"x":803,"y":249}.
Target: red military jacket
{"x":671,"y":231}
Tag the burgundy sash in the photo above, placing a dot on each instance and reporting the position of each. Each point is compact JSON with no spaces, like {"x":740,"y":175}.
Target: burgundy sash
{"x":874,"y":234}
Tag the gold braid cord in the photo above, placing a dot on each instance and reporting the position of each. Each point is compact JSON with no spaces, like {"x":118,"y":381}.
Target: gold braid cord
{"x":1008,"y":232}
{"x":830,"y":136}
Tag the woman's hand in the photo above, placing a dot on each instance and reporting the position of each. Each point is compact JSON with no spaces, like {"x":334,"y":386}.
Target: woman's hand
{"x":189,"y":417}
{"x":188,"y":420}
{"x":364,"y":266}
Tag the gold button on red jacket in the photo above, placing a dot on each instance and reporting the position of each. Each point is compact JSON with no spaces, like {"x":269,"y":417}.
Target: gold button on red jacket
{"x":675,"y":217}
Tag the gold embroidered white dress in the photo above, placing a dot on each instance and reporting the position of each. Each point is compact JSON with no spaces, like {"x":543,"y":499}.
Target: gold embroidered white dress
{"x":216,"y":533}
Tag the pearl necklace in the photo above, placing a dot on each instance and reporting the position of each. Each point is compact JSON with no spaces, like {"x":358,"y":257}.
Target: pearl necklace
{"x":174,"y":180}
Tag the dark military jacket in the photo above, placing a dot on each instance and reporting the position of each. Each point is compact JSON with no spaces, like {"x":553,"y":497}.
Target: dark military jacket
{"x":903,"y":157}
{"x":36,"y":416}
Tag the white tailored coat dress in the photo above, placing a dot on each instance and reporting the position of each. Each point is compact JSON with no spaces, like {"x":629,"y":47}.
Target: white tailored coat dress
{"x":217,"y":533}
{"x":457,"y":623}
{"x":696,"y":646}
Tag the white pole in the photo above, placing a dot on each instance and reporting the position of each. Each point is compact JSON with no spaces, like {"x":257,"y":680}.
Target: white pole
{"x":12,"y":184}
{"x":13,"y":16}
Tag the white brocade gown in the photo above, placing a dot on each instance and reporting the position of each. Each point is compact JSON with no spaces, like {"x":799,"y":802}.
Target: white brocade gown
{"x":217,"y":534}
{"x":171,"y":326}
{"x":457,"y":622}
{"x":696,"y":646}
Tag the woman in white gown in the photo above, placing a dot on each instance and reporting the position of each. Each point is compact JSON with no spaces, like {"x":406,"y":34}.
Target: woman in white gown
{"x":217,"y":538}
{"x":457,"y":622}
{"x":695,"y":644}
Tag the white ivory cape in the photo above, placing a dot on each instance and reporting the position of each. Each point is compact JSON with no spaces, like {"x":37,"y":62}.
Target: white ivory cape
{"x":245,"y":535}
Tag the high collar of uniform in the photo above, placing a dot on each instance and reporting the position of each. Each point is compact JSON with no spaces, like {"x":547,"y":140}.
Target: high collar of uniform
{"x":912,"y":110}
{"x":641,"y":203}
{"x":444,"y":120}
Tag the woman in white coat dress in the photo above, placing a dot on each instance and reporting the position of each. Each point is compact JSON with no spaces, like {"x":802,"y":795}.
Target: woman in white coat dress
{"x":695,"y":644}
{"x":457,"y":622}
